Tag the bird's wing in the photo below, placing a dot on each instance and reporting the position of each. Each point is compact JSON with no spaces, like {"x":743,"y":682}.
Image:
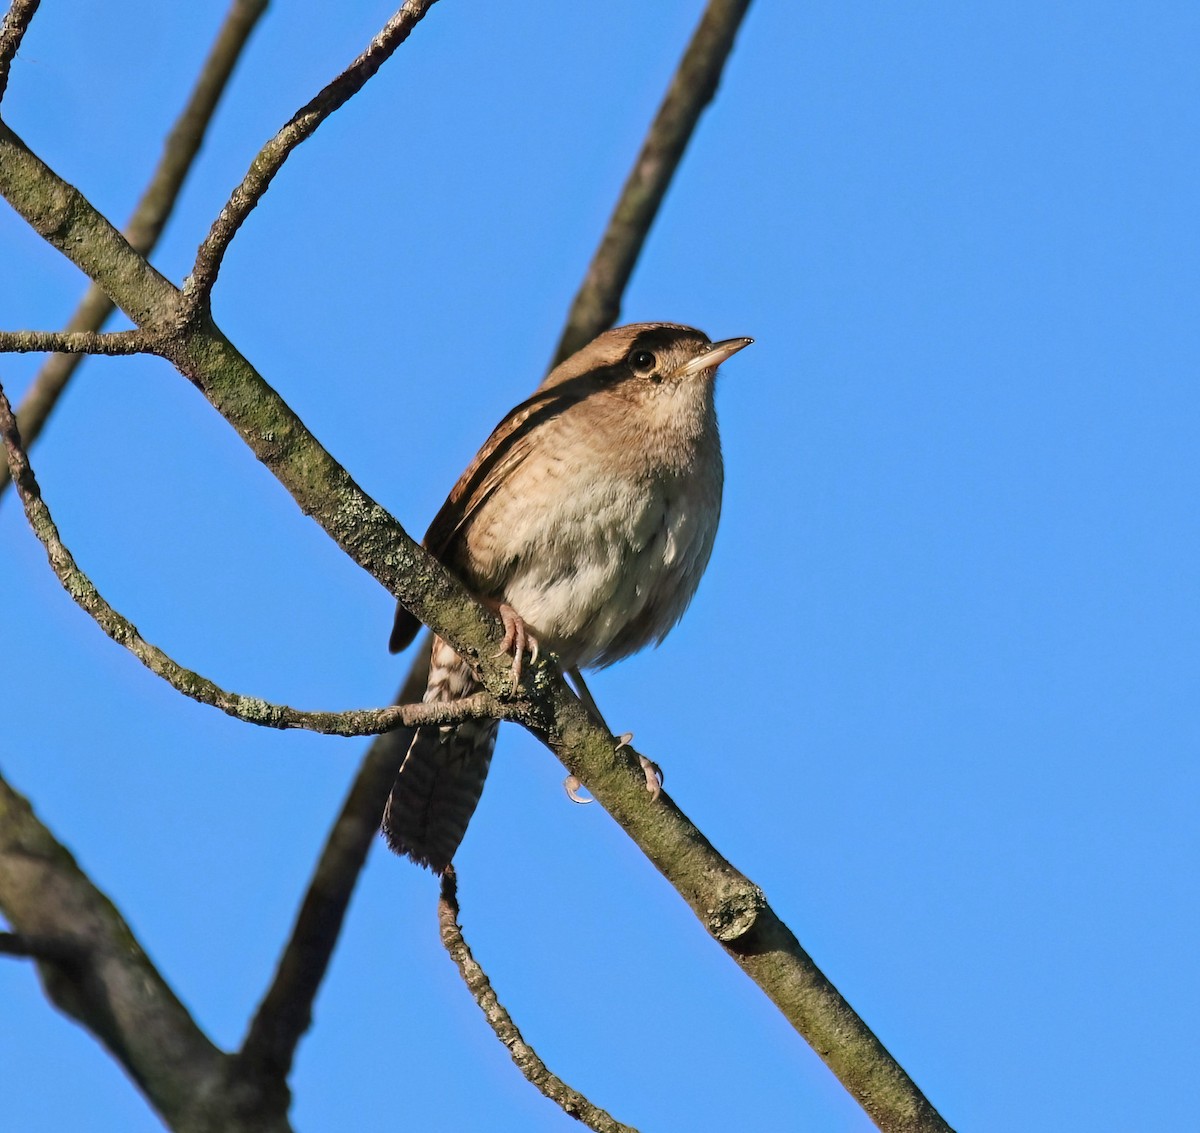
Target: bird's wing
{"x":505,"y":450}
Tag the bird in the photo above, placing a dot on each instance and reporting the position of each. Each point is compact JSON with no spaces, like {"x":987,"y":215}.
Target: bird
{"x":586,"y":521}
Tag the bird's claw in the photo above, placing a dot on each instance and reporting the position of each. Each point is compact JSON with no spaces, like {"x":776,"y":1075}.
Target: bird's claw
{"x":652,"y":771}
{"x":518,"y":641}
{"x":572,"y":786}
{"x":654,"y":777}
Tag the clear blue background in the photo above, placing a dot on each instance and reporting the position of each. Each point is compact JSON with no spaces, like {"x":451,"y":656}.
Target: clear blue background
{"x":937,"y":693}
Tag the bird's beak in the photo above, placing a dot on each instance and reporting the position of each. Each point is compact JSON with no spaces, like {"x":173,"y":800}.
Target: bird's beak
{"x":713,"y":356}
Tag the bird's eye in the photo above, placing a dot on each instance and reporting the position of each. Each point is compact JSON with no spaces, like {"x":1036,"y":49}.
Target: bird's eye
{"x":642,"y":361}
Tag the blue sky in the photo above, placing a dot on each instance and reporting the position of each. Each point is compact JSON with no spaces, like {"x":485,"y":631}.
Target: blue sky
{"x":937,"y":693}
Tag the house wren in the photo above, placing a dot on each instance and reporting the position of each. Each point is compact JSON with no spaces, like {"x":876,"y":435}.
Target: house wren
{"x":587,"y":520}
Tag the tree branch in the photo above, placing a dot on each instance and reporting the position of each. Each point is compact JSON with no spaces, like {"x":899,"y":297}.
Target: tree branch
{"x":12,"y":31}
{"x":150,"y":216}
{"x":302,"y":125}
{"x":108,"y":984}
{"x":735,"y":912}
{"x":356,"y":722}
{"x":321,"y":487}
{"x":569,"y":1100}
{"x":597,"y":304}
{"x":53,"y":949}
{"x":74,"y":342}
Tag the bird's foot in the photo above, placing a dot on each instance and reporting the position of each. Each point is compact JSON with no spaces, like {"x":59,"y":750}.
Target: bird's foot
{"x":652,"y":771}
{"x":517,"y":640}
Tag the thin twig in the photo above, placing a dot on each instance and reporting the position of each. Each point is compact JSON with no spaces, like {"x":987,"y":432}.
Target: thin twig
{"x":271,"y":157}
{"x":153,"y":209}
{"x":187,"y":134}
{"x":75,"y":342}
{"x":598,"y":301}
{"x":571,"y":1101}
{"x":253,"y":710}
{"x":53,"y":949}
{"x":12,"y":31}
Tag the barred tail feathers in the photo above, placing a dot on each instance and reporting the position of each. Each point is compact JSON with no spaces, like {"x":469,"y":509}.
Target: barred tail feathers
{"x":441,"y":779}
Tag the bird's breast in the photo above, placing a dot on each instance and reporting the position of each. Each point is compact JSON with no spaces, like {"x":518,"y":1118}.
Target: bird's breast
{"x":598,"y":553}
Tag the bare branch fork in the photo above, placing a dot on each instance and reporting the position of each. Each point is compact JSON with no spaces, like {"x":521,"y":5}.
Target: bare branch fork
{"x":94,"y":970}
{"x":147,"y":222}
{"x":303,"y":124}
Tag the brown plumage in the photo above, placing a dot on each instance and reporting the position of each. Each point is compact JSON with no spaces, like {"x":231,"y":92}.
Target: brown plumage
{"x":590,"y":512}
